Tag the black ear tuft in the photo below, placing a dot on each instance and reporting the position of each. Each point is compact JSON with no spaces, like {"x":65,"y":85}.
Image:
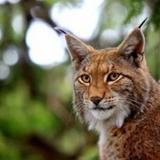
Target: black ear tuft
{"x":143,"y":22}
{"x":61,"y":30}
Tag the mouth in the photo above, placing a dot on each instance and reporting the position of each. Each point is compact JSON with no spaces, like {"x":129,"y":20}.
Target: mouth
{"x":102,"y":108}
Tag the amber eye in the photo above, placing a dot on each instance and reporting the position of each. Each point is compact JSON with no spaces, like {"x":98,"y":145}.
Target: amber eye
{"x":113,"y":77}
{"x":84,"y":78}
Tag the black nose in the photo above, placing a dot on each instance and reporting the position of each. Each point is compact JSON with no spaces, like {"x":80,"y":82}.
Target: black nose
{"x":96,"y":100}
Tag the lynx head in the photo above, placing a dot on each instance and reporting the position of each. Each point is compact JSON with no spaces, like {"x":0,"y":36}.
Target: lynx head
{"x":109,"y":84}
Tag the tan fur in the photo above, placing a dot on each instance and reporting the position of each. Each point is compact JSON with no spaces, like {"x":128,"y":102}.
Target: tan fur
{"x":130,"y":129}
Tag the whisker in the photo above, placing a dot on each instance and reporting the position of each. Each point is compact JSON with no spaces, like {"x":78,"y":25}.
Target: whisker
{"x":133,"y":100}
{"x":134,"y":105}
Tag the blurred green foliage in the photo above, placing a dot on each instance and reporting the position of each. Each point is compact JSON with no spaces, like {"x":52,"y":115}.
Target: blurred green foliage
{"x":36,"y":117}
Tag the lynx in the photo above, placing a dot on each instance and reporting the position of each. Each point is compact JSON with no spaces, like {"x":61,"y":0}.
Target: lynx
{"x":115,"y":95}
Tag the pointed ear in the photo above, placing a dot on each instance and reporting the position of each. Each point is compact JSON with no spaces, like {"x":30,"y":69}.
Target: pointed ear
{"x":133,"y":46}
{"x":78,"y":50}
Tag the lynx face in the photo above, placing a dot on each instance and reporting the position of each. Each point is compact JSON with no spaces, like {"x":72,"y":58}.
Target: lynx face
{"x":109,"y":84}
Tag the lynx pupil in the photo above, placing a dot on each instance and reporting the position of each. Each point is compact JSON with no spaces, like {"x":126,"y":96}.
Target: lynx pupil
{"x":85,"y":78}
{"x":113,"y":76}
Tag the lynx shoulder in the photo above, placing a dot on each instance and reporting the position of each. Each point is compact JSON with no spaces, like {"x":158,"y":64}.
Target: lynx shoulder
{"x":115,"y":95}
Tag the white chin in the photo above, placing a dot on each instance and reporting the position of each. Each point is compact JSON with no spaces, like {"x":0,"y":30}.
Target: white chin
{"x":102,"y":115}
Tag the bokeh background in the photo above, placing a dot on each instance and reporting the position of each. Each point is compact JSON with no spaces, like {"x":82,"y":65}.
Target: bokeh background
{"x":37,"y":121}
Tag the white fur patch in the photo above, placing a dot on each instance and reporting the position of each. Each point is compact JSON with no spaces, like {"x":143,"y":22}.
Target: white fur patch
{"x":109,"y":118}
{"x":102,"y":115}
{"x":121,"y":116}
